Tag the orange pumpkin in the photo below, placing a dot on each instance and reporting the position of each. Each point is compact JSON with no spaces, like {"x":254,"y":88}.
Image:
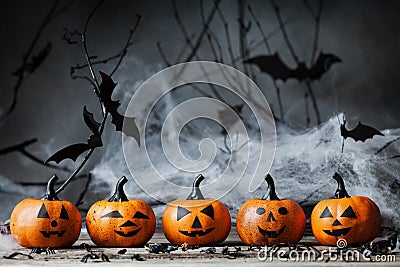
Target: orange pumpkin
{"x":120,"y":222}
{"x":196,"y":220}
{"x":356,"y":219}
{"x":270,"y":220}
{"x":46,"y":222}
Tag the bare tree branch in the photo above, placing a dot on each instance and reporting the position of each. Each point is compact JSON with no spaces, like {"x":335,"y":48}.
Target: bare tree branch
{"x":268,"y":47}
{"x":128,"y":42}
{"x":24,"y":70}
{"x":79,"y":201}
{"x":21,"y":148}
{"x":96,"y":90}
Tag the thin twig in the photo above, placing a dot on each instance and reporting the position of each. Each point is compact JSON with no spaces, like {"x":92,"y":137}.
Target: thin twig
{"x":97,"y":92}
{"x":317,"y":18}
{"x":164,"y":57}
{"x":284,"y":32}
{"x":211,"y":37}
{"x":21,"y":148}
{"x":313,"y":101}
{"x":128,"y":41}
{"x":227,"y":36}
{"x":295,"y":58}
{"x":189,"y":43}
{"x":268,"y":47}
{"x":45,"y":182}
{"x":197,"y":44}
{"x":21,"y":70}
{"x":17,"y":147}
{"x":386,"y":145}
{"x":84,"y":191}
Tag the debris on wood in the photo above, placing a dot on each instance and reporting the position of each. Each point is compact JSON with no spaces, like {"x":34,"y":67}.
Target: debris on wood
{"x":160,"y":247}
{"x":13,"y":255}
{"x":40,"y":250}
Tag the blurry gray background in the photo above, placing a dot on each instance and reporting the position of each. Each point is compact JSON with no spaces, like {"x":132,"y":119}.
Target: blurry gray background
{"x":364,"y":34}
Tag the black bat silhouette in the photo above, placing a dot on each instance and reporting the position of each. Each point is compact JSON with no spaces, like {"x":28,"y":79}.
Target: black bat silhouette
{"x":277,"y":69}
{"x":73,"y":151}
{"x":360,"y":133}
{"x":106,"y":89}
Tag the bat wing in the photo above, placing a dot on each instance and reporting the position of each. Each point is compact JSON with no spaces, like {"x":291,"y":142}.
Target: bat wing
{"x":69,"y":152}
{"x":106,"y":89}
{"x":322,"y":65}
{"x":362,"y":132}
{"x":272,"y":65}
{"x":90,"y":121}
{"x":123,"y":124}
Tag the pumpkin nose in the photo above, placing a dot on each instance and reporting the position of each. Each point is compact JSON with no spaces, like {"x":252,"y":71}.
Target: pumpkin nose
{"x":270,"y":217}
{"x":128,"y":223}
{"x":53,"y":223}
{"x":336,"y":223}
{"x":196,"y":223}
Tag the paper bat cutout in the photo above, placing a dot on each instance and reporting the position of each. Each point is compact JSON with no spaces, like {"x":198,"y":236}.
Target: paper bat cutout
{"x":106,"y":89}
{"x":277,"y":69}
{"x":73,"y":151}
{"x":360,"y":133}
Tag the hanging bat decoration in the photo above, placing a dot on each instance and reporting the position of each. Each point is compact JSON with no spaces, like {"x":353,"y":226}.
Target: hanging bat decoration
{"x":279,"y":70}
{"x":360,"y":133}
{"x":106,"y":89}
{"x":73,"y":151}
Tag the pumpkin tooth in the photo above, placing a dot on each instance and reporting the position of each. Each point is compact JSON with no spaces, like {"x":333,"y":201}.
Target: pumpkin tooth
{"x":47,"y":234}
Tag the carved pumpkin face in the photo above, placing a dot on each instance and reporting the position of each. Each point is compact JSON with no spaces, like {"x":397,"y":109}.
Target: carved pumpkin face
{"x":356,"y":219}
{"x":196,"y":221}
{"x":45,"y":223}
{"x":269,"y":222}
{"x":120,"y":222}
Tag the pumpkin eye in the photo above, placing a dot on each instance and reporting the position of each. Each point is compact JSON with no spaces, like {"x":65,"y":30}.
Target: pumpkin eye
{"x":64,"y":213}
{"x":139,"y":215}
{"x":282,"y":211}
{"x":43,"y":212}
{"x":182,"y":212}
{"x":260,"y":211}
{"x":209,"y":211}
{"x":326,"y":213}
{"x":112,"y":214}
{"x":349,"y":213}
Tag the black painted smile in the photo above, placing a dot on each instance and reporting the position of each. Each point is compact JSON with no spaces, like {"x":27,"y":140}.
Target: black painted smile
{"x":337,"y":232}
{"x":47,"y":234}
{"x":128,"y":234}
{"x":196,"y":232}
{"x":271,"y":234}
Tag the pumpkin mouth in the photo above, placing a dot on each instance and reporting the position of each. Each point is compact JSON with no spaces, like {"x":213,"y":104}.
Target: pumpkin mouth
{"x":337,"y":232}
{"x":271,"y":234}
{"x":196,"y":232}
{"x":47,"y":234}
{"x":128,"y":234}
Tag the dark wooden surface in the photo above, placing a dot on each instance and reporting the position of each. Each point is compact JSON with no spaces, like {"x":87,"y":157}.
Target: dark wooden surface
{"x":190,"y":257}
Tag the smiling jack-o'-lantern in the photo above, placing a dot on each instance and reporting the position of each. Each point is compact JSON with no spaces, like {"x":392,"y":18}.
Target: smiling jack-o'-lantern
{"x":270,"y":220}
{"x":120,"y":222}
{"x":46,"y":222}
{"x":196,"y":220}
{"x":356,"y":219}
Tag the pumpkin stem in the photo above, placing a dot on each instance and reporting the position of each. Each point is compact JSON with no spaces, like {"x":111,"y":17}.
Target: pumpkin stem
{"x":50,"y":193}
{"x":341,"y":190}
{"x":196,"y":193}
{"x":270,"y":194}
{"x":119,"y":194}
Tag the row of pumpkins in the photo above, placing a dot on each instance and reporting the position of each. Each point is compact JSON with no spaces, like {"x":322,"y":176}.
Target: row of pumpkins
{"x":120,"y":222}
